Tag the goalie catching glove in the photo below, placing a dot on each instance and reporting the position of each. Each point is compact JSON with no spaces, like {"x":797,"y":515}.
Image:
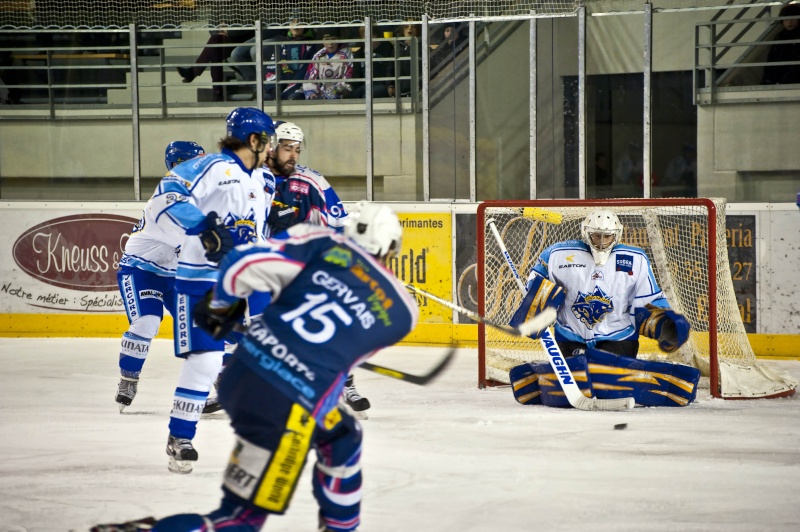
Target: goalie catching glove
{"x":216,"y":238}
{"x":542,"y":294}
{"x":218,"y":318}
{"x":665,"y":325}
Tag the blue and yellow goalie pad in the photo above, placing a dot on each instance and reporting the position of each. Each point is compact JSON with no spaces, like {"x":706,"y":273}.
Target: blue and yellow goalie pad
{"x":608,"y":376}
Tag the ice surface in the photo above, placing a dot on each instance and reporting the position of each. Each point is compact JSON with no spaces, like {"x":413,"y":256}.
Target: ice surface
{"x":444,"y":458}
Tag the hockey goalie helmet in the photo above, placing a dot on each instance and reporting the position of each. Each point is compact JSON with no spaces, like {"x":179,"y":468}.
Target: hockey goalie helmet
{"x":244,"y":121}
{"x":289,"y":131}
{"x":181,"y":150}
{"x":601,"y":230}
{"x":375,"y":228}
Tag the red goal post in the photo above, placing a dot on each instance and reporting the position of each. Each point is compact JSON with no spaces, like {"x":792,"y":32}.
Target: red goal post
{"x":685,"y":241}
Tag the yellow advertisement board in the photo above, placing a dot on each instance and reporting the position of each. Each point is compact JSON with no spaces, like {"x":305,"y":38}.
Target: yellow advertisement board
{"x":426,"y":261}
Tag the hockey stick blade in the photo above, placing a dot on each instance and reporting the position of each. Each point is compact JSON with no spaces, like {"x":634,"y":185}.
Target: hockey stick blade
{"x":421,"y":380}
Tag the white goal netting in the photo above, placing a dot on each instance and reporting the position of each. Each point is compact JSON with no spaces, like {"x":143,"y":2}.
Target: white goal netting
{"x":170,"y":13}
{"x":685,"y":241}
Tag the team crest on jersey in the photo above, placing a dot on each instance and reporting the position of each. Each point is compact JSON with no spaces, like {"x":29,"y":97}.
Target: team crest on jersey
{"x":243,"y":228}
{"x":597,"y":274}
{"x":339,"y":255}
{"x":625,"y":263}
{"x":591,"y":308}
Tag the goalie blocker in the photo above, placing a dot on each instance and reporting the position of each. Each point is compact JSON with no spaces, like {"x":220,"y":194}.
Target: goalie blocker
{"x":607,"y":376}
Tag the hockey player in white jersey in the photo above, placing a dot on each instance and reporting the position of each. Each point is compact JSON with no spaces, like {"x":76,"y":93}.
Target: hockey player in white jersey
{"x":605,"y":292}
{"x":146,"y":279}
{"x":607,"y":297}
{"x":304,"y":195}
{"x":222,"y":199}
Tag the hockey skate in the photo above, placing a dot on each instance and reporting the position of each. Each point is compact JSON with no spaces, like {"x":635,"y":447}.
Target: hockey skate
{"x":182,"y":455}
{"x":137,"y":525}
{"x":354,"y":400}
{"x":126,"y":391}
{"x":212,"y":403}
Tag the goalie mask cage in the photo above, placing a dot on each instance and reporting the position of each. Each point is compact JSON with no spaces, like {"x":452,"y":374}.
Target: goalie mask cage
{"x":685,"y":241}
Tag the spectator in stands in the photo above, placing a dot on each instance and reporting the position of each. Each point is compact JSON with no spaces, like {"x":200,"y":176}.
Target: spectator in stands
{"x":446,"y":48}
{"x":680,"y":177}
{"x":246,"y":53}
{"x":410,"y":32}
{"x":382,"y":67}
{"x":602,"y":177}
{"x":333,"y":62}
{"x":629,"y":171}
{"x":214,"y":53}
{"x":783,"y":74}
{"x":294,"y":50}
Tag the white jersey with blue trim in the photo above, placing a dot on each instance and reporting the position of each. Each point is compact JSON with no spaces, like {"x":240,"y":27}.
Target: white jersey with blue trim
{"x":215,"y":182}
{"x":600,"y":300}
{"x":151,"y":247}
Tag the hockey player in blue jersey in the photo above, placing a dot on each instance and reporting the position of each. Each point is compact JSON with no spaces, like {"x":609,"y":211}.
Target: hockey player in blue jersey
{"x":334,"y":303}
{"x":301,"y":194}
{"x":223,"y":199}
{"x":304,"y":195}
{"x":146,"y":279}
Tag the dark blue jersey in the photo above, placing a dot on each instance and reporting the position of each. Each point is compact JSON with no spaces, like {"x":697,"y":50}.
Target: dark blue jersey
{"x":333,"y":305}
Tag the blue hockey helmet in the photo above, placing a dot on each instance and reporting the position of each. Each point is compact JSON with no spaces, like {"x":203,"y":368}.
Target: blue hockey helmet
{"x":244,"y":121}
{"x":181,"y":150}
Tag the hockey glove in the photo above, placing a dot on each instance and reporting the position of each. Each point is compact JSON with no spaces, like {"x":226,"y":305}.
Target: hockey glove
{"x":542,"y":293}
{"x":216,"y":238}
{"x":281,"y":217}
{"x":218,"y":322}
{"x":665,"y":325}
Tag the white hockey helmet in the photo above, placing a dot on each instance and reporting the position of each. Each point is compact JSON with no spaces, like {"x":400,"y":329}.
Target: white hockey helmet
{"x":375,"y":228}
{"x":601,"y":223}
{"x":289,"y":131}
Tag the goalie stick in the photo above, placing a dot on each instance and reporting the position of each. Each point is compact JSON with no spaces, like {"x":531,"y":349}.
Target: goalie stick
{"x":421,"y":380}
{"x":556,"y":358}
{"x":536,"y":324}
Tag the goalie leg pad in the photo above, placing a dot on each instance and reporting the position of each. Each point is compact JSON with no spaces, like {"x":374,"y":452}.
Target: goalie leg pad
{"x":525,"y":384}
{"x":552,"y":393}
{"x":650,"y":383}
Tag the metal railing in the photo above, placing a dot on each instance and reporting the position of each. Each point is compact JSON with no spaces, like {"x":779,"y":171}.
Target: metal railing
{"x":733,"y":62}
{"x":72,"y":72}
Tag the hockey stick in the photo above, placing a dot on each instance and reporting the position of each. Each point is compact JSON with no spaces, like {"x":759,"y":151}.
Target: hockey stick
{"x":538,"y":323}
{"x":556,"y":358}
{"x":421,"y":380}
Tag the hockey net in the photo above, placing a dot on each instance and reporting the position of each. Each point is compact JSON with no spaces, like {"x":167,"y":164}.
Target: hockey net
{"x":685,"y":241}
